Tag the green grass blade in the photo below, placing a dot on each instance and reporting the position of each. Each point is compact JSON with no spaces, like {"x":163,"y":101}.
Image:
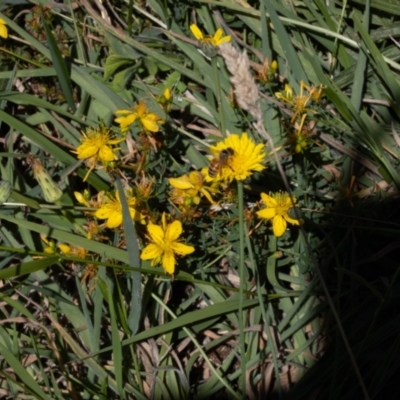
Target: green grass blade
{"x":284,"y":39}
{"x":134,"y":261}
{"x":59,"y":65}
{"x":22,"y":373}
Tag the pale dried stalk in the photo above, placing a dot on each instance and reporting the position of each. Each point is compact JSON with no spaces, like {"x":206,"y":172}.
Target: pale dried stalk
{"x":245,"y":88}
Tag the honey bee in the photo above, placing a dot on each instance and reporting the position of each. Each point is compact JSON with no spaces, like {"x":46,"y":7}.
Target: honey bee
{"x":219,"y":162}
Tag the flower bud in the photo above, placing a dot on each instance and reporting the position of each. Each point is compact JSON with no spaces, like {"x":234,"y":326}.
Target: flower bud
{"x":50,"y":189}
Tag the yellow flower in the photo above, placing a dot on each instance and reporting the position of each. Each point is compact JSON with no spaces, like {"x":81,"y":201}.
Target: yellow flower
{"x":298,"y":142}
{"x":286,"y":94}
{"x":51,"y":246}
{"x":215,"y":40}
{"x":97,"y":145}
{"x":165,"y":245}
{"x":81,"y":199}
{"x":165,"y":99}
{"x":188,"y":188}
{"x":111,"y":210}
{"x":87,"y":201}
{"x":277,"y":210}
{"x":149,"y":121}
{"x":3,"y":29}
{"x":73,"y":251}
{"x":299,"y":103}
{"x":247,"y":156}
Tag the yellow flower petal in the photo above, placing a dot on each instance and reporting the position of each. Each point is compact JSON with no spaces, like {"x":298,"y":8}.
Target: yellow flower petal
{"x":123,"y":112}
{"x":156,"y":233}
{"x":114,"y":220}
{"x":49,"y":250}
{"x":180,"y":183}
{"x":127,"y":121}
{"x":196,"y":32}
{"x":182,"y":249}
{"x":278,"y":226}
{"x":267,"y":213}
{"x":106,"y":154}
{"x":3,"y":31}
{"x":86,"y":150}
{"x":168,"y":262}
{"x":149,"y":124}
{"x":218,"y":35}
{"x":225,"y":39}
{"x":167,"y":94}
{"x":79,"y":197}
{"x":218,"y":39}
{"x":268,"y":200}
{"x":173,"y":231}
{"x":151,"y":251}
{"x":137,"y":216}
{"x":291,"y":220}
{"x":64,"y":248}
{"x":104,"y":212}
{"x":208,"y":195}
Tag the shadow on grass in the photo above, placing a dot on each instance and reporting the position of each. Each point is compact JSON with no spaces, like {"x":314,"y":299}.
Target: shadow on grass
{"x":361,"y":269}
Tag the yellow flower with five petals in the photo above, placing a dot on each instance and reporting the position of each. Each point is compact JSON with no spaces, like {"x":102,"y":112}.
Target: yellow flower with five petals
{"x":276,"y":209}
{"x":97,"y":145}
{"x":149,"y":121}
{"x":165,"y":244}
{"x":111,"y":210}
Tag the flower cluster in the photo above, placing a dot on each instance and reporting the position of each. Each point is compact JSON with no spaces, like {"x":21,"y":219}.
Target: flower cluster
{"x":237,"y":157}
{"x":188,"y":189}
{"x":300,"y":130}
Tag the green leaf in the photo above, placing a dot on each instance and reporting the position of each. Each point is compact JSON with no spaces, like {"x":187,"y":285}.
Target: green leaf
{"x":134,"y":261}
{"x":284,"y":39}
{"x":28,"y":268}
{"x":59,"y":65}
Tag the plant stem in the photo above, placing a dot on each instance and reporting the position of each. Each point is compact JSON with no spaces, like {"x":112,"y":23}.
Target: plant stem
{"x":241,"y":290}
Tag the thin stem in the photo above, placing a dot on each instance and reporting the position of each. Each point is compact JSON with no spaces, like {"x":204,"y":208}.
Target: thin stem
{"x":241,"y":290}
{"x":52,"y":207}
